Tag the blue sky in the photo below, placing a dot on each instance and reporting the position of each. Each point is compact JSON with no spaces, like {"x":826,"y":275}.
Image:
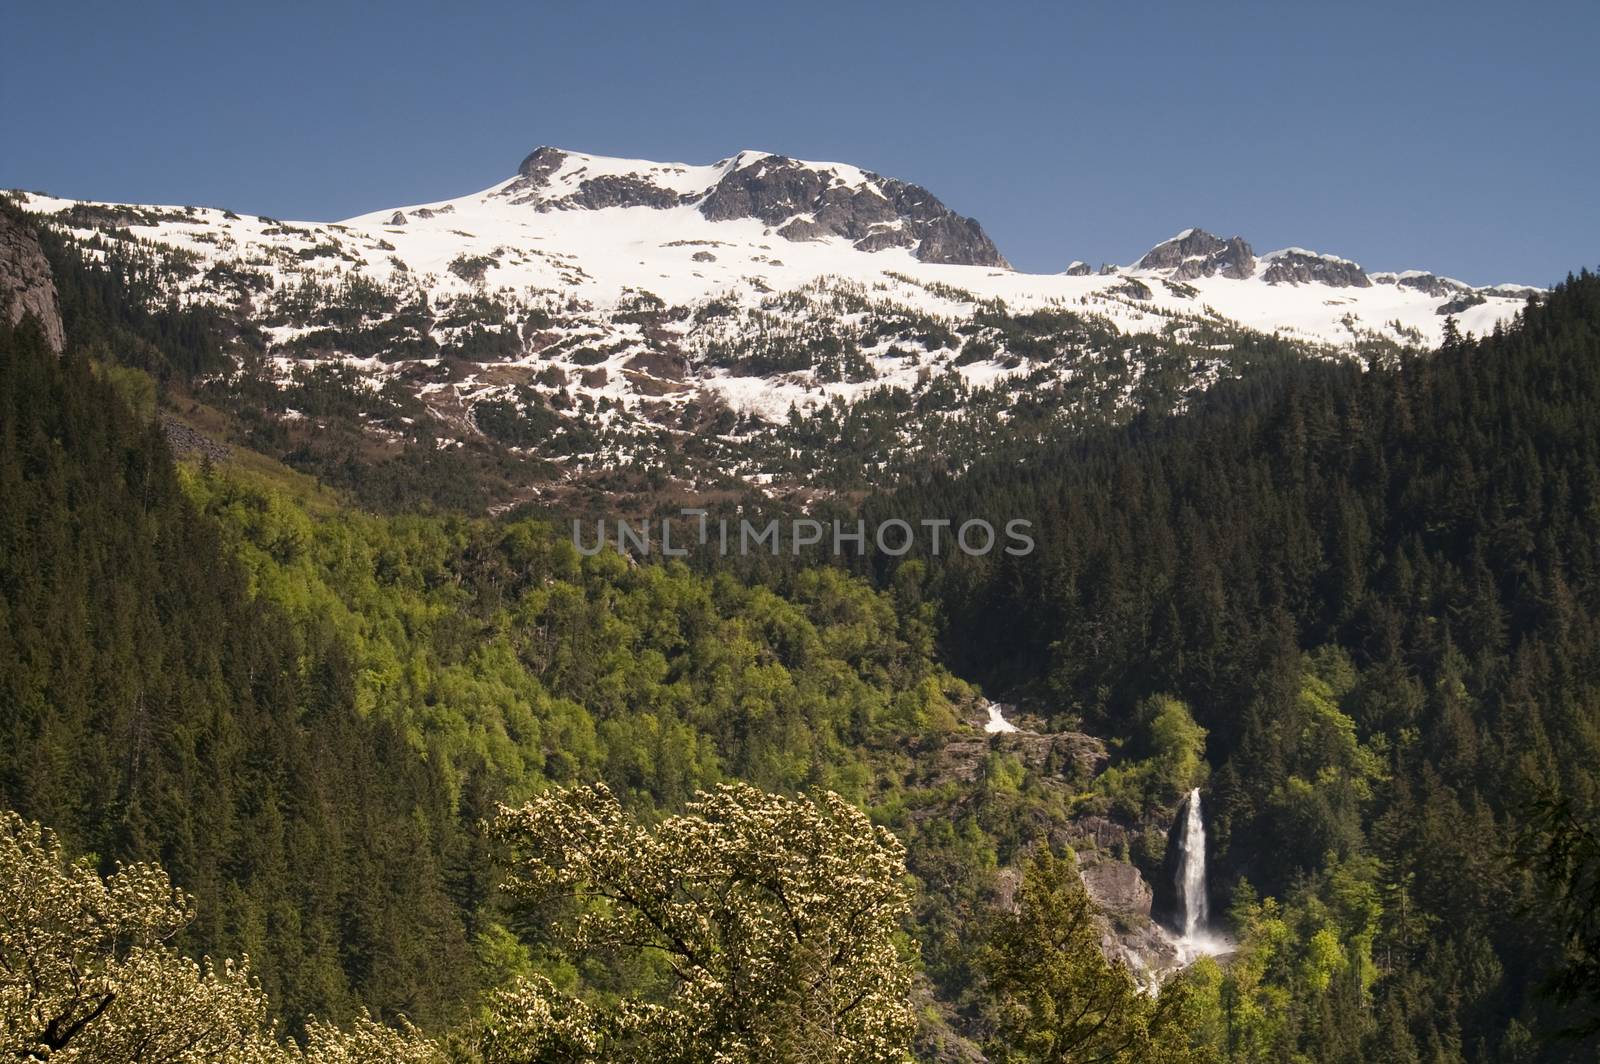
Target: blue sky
{"x":1456,"y":137}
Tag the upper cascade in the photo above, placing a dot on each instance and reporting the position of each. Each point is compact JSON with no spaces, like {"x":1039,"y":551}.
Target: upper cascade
{"x":799,"y":200}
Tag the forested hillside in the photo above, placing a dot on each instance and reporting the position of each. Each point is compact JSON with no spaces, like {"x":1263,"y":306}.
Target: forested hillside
{"x":305,"y":713}
{"x":1356,"y":605}
{"x":1378,"y":593}
{"x":155,"y":709}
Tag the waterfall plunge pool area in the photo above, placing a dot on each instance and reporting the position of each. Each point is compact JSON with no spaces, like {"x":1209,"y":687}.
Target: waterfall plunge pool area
{"x":1195,"y":939}
{"x":1191,"y":937}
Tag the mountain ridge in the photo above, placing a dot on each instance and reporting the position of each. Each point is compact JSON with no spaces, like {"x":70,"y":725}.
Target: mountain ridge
{"x":760,"y":317}
{"x":802,"y":200}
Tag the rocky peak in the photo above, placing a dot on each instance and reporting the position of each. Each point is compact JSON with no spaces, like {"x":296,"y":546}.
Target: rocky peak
{"x":1422,"y":281}
{"x":26,"y":284}
{"x":583,"y":191}
{"x":1299,"y":266}
{"x":806,"y":201}
{"x":1459,"y":291}
{"x":800,"y":200}
{"x":541,"y":163}
{"x":1196,"y":253}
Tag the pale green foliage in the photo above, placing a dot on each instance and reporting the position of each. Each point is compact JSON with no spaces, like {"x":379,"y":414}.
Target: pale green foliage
{"x":1179,"y":744}
{"x":1318,"y":806}
{"x":1314,"y":944}
{"x":1324,"y":958}
{"x":87,"y":974}
{"x":500,"y":649}
{"x":1175,"y":760}
{"x":779,"y":919}
{"x":1328,"y":737}
{"x":1054,"y":998}
{"x":1254,"y":995}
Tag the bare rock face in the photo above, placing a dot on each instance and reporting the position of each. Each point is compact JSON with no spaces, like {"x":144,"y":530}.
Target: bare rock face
{"x":26,"y":285}
{"x":958,"y":240}
{"x":534,"y":171}
{"x":1127,"y":933}
{"x":810,"y":202}
{"x":1197,"y":253}
{"x":1122,"y":901}
{"x":186,"y":440}
{"x":1116,"y":886}
{"x":1133,"y":289}
{"x":1430,"y":283}
{"x":1460,"y":304}
{"x":592,"y":194}
{"x":1295,"y":266}
{"x":614,"y":190}
{"x":801,"y":201}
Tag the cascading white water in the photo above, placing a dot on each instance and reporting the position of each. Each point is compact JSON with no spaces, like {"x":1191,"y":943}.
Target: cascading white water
{"x":1192,"y":869}
{"x":997,"y":720}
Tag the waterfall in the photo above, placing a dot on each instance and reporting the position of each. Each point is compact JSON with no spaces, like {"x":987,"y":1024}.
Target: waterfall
{"x":997,"y":720}
{"x":1192,"y":869}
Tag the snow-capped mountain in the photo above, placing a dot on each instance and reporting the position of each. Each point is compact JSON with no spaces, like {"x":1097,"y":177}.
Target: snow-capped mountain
{"x":649,"y":301}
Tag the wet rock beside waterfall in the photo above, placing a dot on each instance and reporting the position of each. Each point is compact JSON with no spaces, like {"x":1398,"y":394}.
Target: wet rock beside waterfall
{"x":1115,"y":886}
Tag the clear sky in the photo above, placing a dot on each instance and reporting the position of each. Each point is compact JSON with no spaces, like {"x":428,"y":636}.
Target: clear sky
{"x":1460,"y":137}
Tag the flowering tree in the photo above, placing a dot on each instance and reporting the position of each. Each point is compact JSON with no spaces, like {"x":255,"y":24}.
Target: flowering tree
{"x":87,"y":974}
{"x":778,"y":917}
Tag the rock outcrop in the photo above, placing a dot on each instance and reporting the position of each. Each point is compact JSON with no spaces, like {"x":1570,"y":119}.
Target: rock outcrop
{"x":1422,"y":281}
{"x":1448,"y":287}
{"x":1127,"y":933}
{"x":1068,"y":755}
{"x":1460,"y":304}
{"x":1299,"y":266}
{"x":808,"y":202}
{"x":187,"y":440}
{"x":534,"y":172}
{"x":1132,"y":288}
{"x":26,"y":284}
{"x":1196,"y":253}
{"x":1116,"y":886}
{"x":800,"y":200}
